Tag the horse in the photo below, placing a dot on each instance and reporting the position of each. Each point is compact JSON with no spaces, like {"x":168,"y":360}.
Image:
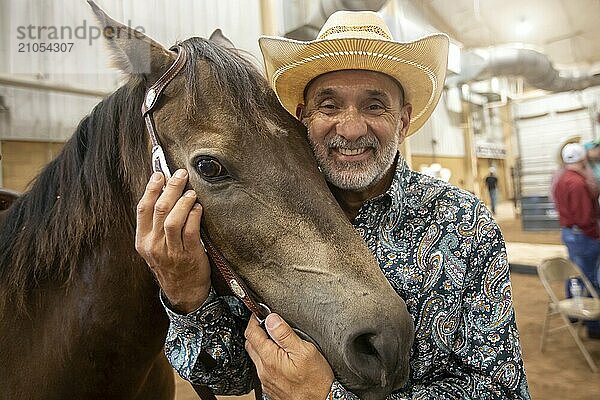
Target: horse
{"x":79,"y":308}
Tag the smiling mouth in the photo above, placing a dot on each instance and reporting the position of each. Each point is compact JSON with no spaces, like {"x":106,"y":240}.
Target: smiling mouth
{"x":351,"y":152}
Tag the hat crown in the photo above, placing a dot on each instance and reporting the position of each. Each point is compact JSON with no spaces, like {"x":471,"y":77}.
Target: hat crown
{"x":359,"y":40}
{"x":572,"y":153}
{"x":355,"y":24}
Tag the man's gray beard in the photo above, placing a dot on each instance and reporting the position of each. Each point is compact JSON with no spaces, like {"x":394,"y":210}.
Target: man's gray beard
{"x":360,"y":175}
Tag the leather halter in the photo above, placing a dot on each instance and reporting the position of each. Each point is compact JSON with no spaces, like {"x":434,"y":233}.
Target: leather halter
{"x":225,"y":276}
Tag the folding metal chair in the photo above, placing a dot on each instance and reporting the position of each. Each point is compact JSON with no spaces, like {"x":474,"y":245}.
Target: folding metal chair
{"x":553,"y":273}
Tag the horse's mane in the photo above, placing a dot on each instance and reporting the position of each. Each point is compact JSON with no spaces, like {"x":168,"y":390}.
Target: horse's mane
{"x":75,"y":200}
{"x":85,"y":192}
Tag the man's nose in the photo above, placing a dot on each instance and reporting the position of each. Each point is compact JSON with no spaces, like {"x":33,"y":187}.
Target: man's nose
{"x":351,"y":124}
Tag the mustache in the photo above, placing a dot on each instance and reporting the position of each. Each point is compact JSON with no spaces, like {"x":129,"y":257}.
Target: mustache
{"x":338,"y":141}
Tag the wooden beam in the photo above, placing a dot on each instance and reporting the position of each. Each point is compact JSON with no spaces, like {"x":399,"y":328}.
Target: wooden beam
{"x":10,"y":80}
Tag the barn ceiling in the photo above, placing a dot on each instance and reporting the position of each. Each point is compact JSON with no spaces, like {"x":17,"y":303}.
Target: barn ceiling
{"x":568,"y":31}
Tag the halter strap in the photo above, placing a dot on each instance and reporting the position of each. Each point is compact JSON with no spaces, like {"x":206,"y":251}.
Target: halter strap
{"x":225,"y":276}
{"x":154,"y":92}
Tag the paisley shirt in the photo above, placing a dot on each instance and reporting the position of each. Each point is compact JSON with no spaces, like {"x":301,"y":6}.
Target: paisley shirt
{"x":443,"y":253}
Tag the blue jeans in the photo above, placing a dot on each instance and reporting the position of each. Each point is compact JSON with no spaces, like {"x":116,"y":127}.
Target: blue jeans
{"x":585,"y":252}
{"x":493,"y":197}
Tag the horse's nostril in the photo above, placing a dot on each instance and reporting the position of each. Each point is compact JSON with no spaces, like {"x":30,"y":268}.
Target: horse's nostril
{"x":363,"y":345}
{"x":373,"y":357}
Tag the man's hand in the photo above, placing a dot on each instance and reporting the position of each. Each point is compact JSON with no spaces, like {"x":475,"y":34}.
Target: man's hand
{"x":288,"y":367}
{"x":168,"y":237}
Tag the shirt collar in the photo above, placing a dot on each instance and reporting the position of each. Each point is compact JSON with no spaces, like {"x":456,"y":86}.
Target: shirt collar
{"x":395,"y":194}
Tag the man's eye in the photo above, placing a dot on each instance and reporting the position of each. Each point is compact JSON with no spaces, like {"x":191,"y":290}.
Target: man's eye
{"x":327,"y":106}
{"x":210,"y":169}
{"x":376,"y":107}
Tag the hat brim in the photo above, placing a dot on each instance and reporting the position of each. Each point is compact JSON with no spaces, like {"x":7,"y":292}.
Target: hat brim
{"x":419,"y":66}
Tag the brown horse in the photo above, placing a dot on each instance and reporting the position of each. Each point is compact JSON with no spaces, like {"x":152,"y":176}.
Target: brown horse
{"x":80,"y":315}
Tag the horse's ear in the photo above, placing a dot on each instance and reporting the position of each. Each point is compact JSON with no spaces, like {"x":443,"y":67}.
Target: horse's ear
{"x":132,"y":51}
{"x":218,"y":37}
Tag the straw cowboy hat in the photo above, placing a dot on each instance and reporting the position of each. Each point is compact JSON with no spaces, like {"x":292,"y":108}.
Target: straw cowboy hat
{"x":359,"y":40}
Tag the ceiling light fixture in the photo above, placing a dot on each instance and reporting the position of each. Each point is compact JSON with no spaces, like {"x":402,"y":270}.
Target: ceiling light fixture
{"x":523,"y":27}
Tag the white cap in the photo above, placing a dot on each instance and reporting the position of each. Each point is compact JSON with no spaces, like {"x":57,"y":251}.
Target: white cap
{"x":572,"y":153}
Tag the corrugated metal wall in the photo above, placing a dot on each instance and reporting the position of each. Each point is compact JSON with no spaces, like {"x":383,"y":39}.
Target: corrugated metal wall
{"x":37,"y":115}
{"x":48,"y":117}
{"x":542,"y":124}
{"x":407,"y":23}
{"x":443,"y":127}
{"x":52,"y":116}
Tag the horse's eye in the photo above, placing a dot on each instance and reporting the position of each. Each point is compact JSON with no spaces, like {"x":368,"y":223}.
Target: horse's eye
{"x":210,"y":169}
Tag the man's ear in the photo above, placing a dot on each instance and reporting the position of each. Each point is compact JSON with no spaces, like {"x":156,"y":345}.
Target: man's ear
{"x":300,"y":111}
{"x":405,"y":114}
{"x":220,"y":39}
{"x":132,"y":52}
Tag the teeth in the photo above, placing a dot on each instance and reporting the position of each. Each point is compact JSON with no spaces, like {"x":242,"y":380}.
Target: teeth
{"x":351,"y":152}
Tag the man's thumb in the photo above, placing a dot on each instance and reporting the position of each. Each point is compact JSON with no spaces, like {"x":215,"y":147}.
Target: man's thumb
{"x":281,"y":333}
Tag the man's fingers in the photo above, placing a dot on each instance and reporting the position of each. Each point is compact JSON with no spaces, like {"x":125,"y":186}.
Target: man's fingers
{"x":191,"y":230}
{"x":254,"y":355}
{"x":279,"y":334}
{"x":258,"y":338}
{"x":259,"y":346}
{"x":255,"y":333}
{"x":176,"y":220}
{"x":145,"y":207}
{"x":171,"y":193}
{"x":283,"y":334}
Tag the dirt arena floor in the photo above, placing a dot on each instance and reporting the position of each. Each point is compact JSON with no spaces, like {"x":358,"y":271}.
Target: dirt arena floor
{"x":513,"y":232}
{"x":560,"y":372}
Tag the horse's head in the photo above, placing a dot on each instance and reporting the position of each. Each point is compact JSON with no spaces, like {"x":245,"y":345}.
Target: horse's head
{"x":269,"y":210}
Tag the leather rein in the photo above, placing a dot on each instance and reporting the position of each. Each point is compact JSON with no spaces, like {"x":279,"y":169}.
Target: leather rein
{"x":226,"y":278}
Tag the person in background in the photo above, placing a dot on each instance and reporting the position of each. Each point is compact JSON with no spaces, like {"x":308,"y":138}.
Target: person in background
{"x":578,"y":211}
{"x":593,"y":156}
{"x":491,"y":182}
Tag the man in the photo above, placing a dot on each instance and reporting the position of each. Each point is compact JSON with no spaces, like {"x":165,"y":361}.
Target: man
{"x":359,"y":94}
{"x":491,"y":182}
{"x":578,"y":211}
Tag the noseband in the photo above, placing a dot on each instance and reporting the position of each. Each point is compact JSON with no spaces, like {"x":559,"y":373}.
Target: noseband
{"x":225,"y":274}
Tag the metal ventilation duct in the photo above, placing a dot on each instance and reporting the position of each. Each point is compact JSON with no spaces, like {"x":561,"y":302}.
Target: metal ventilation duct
{"x":535,"y":67}
{"x":311,"y":27}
